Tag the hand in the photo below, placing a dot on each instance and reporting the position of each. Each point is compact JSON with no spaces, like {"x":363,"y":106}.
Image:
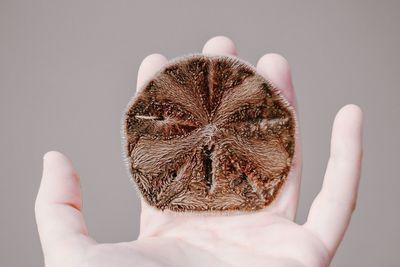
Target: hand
{"x":265,"y":238}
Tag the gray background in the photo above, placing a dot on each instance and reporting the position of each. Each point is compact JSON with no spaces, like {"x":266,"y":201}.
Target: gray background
{"x":68,"y":69}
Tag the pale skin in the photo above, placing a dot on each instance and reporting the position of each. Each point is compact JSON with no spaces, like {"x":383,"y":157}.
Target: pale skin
{"x":269,"y":237}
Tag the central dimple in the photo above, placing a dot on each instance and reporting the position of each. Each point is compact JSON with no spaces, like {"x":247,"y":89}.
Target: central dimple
{"x":209,"y":130}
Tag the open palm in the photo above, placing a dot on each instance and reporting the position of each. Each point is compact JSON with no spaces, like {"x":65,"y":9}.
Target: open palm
{"x":265,"y":238}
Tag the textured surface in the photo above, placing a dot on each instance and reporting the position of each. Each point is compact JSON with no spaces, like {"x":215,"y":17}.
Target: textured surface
{"x":209,"y":133}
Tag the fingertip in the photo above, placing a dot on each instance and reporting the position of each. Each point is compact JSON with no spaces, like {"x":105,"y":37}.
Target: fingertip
{"x":153,"y":60}
{"x":276,"y":69}
{"x":55,"y":161}
{"x":352,"y":107}
{"x":149,"y":66}
{"x":220,"y":45}
{"x":53,"y":154}
{"x":274,"y":57}
{"x":348,"y":120}
{"x":347,"y":134}
{"x":350,"y":112}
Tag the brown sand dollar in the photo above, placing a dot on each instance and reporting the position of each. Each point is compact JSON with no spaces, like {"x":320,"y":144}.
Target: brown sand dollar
{"x":207,"y":133}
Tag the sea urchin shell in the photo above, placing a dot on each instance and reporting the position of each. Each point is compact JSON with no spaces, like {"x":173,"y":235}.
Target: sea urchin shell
{"x":207,"y":133}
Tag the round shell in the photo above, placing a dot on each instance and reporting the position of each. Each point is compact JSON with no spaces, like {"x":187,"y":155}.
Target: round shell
{"x":207,"y":133}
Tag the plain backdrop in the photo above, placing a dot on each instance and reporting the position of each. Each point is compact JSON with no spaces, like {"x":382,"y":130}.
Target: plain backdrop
{"x":68,"y":69}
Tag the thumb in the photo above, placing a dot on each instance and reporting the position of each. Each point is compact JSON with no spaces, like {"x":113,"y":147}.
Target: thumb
{"x":58,"y":204}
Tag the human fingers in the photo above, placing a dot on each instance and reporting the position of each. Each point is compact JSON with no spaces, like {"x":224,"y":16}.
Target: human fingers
{"x":331,"y":210}
{"x":149,"y":66}
{"x":220,"y":45}
{"x":60,"y":222}
{"x":276,"y":69}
